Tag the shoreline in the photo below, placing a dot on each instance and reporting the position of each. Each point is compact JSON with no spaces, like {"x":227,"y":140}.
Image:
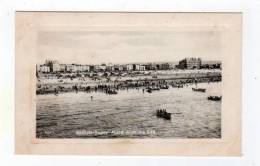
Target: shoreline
{"x":84,"y":86}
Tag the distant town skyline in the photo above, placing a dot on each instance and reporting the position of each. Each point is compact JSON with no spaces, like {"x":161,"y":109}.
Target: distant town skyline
{"x":127,"y":47}
{"x":175,"y":62}
{"x":161,"y":62}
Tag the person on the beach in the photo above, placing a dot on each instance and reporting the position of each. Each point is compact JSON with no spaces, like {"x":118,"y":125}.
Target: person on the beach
{"x":56,"y":92}
{"x":91,"y":98}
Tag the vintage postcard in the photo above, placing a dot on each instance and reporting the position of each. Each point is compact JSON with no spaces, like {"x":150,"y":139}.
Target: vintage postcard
{"x":104,"y":83}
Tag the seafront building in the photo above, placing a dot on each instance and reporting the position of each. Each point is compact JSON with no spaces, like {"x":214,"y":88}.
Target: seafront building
{"x":150,"y":66}
{"x":43,"y":68}
{"x":141,"y":68}
{"x":190,"y":63}
{"x":96,"y":68}
{"x":54,"y":65}
{"x":129,"y":67}
{"x":119,"y":68}
{"x":211,"y":65}
{"x":187,"y":63}
{"x":103,"y":67}
{"x":62,"y":67}
{"x":85,"y":68}
{"x":110,"y":67}
{"x":69,"y":68}
{"x":136,"y":67}
{"x":163,"y":66}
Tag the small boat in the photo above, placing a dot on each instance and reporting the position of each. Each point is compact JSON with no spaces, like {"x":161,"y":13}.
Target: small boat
{"x":199,"y":89}
{"x":153,"y":88}
{"x":215,"y":98}
{"x":177,"y":85}
{"x":56,"y":92}
{"x":156,"y":88}
{"x":161,"y":113}
{"x":112,"y":92}
{"x":149,"y":90}
{"x":164,"y":87}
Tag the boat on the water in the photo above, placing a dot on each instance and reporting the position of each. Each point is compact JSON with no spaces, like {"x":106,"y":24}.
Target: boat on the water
{"x":199,"y":90}
{"x":162,"y":113}
{"x":215,"y":98}
{"x":164,"y":87}
{"x":177,"y":85}
{"x":153,"y":88}
{"x":112,"y":92}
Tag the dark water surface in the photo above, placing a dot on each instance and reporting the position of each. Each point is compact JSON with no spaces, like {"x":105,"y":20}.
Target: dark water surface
{"x":130,"y":114}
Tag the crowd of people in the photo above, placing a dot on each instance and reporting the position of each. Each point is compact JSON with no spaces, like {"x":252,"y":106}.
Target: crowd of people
{"x":112,"y":88}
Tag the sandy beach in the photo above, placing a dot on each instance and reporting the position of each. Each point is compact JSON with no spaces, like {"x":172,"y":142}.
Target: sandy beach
{"x":50,"y":83}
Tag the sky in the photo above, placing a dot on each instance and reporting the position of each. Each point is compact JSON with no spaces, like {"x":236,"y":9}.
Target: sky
{"x":96,"y":47}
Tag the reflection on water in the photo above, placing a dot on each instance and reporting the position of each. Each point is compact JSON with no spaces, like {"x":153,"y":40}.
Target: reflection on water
{"x":68,"y":114}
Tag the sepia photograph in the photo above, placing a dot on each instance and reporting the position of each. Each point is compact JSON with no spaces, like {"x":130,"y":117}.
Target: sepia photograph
{"x":126,"y":83}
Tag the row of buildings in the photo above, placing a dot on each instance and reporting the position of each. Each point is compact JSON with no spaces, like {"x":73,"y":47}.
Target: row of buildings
{"x":197,"y":63}
{"x":187,"y":63}
{"x":54,"y":66}
{"x":190,"y":63}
